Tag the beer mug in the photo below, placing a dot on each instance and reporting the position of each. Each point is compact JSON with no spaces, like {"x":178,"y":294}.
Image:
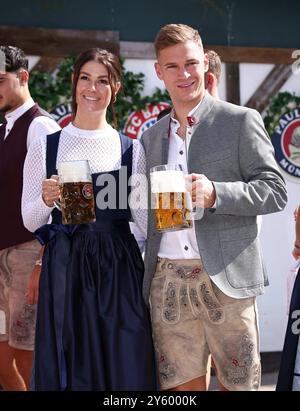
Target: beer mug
{"x":170,"y":198}
{"x":77,"y":203}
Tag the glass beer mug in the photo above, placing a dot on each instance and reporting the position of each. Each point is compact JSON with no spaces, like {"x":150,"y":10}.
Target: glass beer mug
{"x":77,"y":203}
{"x":170,"y":198}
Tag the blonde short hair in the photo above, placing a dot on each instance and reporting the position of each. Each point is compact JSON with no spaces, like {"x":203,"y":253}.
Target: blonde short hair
{"x":173,"y":34}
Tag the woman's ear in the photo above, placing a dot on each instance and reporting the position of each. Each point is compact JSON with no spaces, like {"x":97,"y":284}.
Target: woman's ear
{"x":115,"y":92}
{"x":118,"y":86}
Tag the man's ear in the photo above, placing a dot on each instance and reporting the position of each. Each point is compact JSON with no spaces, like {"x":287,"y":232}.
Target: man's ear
{"x":158,"y":70}
{"x":206,"y":63}
{"x":24,"y":77}
{"x":209,"y":80}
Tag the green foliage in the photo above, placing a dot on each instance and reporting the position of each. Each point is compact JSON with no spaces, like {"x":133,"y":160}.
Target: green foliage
{"x":50,"y":90}
{"x":282,"y":103}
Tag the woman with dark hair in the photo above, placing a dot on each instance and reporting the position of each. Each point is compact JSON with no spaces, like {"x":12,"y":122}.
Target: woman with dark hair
{"x":93,"y":330}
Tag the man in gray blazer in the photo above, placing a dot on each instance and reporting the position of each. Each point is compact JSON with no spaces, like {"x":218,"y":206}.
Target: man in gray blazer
{"x":203,"y":281}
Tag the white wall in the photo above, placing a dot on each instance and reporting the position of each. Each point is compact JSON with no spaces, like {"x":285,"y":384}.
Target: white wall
{"x":32,"y":61}
{"x":277,"y":233}
{"x":277,"y":239}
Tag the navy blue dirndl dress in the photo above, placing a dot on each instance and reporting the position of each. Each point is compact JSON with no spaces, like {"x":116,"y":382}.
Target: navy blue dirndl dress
{"x":93,"y":328}
{"x":289,"y":353}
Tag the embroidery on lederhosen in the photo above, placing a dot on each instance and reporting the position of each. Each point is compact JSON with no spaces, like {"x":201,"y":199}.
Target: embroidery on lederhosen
{"x":167,"y":371}
{"x":214,"y":308}
{"x":23,"y":322}
{"x":170,"y":308}
{"x":239,"y":369}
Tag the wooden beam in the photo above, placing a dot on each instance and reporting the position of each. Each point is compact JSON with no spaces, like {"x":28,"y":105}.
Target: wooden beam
{"x":139,"y":50}
{"x":269,"y":87}
{"x":62,"y":42}
{"x":46,"y":64}
{"x":233,"y":83}
{"x":253,"y":54}
{"x":58,"y":42}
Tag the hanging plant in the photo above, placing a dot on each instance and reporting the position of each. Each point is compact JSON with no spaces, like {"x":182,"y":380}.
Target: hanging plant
{"x":50,"y":90}
{"x":281,"y":104}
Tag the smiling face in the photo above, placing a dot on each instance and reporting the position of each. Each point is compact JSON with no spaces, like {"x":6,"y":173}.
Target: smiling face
{"x":93,"y":91}
{"x":181,"y":67}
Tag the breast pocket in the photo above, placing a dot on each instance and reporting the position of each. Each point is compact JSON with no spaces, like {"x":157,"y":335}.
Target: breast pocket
{"x":220,"y":155}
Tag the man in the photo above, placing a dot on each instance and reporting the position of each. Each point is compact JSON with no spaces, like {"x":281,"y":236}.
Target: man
{"x":19,"y":251}
{"x":204,"y":280}
{"x":213,"y":73}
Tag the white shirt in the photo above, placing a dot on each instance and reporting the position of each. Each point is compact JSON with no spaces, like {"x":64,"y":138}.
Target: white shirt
{"x":39,"y":126}
{"x":176,"y":244}
{"x":179,"y":244}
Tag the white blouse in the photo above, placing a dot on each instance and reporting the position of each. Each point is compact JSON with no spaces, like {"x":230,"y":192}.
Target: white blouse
{"x":103,"y":150}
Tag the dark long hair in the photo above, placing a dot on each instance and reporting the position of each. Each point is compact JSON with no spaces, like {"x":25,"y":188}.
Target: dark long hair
{"x":111,"y":62}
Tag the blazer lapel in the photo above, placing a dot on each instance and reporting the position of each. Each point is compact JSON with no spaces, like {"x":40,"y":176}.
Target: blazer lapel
{"x":160,"y":149}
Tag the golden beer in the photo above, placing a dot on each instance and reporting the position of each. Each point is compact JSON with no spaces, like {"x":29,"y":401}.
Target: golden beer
{"x":170,"y":198}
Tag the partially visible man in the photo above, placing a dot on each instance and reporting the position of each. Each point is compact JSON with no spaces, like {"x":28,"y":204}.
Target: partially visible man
{"x":213,"y":73}
{"x":19,"y":251}
{"x":203,"y":281}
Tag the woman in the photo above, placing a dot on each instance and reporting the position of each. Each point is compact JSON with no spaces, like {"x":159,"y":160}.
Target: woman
{"x":93,"y":330}
{"x":289,"y":372}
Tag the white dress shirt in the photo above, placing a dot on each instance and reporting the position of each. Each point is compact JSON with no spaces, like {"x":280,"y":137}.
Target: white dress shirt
{"x":39,"y":126}
{"x":179,"y":244}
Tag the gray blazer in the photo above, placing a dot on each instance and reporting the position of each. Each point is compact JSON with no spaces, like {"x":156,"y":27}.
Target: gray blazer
{"x":231,"y":147}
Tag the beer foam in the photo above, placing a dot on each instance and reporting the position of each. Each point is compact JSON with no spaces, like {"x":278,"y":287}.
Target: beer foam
{"x":168,"y":181}
{"x":74,"y":171}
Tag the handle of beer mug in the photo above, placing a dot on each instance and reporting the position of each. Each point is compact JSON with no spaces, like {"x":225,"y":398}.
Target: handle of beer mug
{"x":196,"y":212}
{"x":57,"y":204}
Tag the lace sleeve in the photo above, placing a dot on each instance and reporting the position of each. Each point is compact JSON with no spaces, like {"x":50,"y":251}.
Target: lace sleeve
{"x":35,"y":212}
{"x":139,"y":194}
